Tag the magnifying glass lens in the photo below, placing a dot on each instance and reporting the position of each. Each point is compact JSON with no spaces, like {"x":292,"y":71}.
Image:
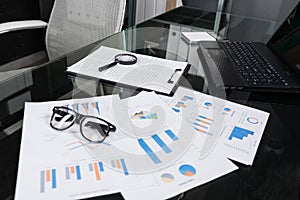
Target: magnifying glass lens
{"x":126,"y":59}
{"x":123,"y":59}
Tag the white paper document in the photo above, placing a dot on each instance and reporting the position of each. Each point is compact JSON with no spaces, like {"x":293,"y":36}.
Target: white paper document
{"x":148,"y":72}
{"x":154,"y":124}
{"x":59,"y":165}
{"x":189,"y":172}
{"x":237,"y":128}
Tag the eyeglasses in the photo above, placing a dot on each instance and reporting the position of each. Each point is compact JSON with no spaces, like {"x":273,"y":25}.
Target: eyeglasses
{"x":93,"y":129}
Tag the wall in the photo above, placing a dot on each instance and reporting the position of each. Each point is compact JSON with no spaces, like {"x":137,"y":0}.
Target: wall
{"x":146,"y":9}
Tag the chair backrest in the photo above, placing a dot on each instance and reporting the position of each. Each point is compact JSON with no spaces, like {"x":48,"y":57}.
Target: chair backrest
{"x":77,"y":23}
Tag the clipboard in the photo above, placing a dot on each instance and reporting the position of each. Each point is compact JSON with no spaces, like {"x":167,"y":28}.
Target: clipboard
{"x":148,"y":73}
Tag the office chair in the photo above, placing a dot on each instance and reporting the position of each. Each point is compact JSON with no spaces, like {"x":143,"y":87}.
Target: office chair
{"x":74,"y":24}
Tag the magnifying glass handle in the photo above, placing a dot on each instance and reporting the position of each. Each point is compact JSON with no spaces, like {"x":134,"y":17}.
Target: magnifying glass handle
{"x":107,"y":66}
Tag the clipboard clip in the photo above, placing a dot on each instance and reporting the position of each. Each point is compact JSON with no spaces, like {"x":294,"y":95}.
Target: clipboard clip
{"x":176,"y":70}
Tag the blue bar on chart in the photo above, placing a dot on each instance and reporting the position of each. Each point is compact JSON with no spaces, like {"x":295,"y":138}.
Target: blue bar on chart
{"x":96,"y":106}
{"x":67,"y":171}
{"x":91,"y":167}
{"x":161,"y":143}
{"x":240,"y":133}
{"x":42,"y":182}
{"x":202,"y":121}
{"x":203,"y":117}
{"x":149,"y":151}
{"x":171,"y":135}
{"x":120,"y":164}
{"x":176,"y":110}
{"x":180,"y":104}
{"x":53,"y":173}
{"x":187,"y":98}
{"x":101,"y":168}
{"x":202,"y":126}
{"x":47,"y":177}
{"x":78,"y":173}
{"x":67,"y":106}
{"x":124,"y":167}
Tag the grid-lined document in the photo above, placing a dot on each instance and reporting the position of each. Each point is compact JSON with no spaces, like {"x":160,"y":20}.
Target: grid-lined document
{"x":148,"y":72}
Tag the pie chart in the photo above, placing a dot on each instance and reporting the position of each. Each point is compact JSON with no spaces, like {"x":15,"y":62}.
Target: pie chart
{"x":227,"y":109}
{"x":187,"y":170}
{"x":207,"y":103}
{"x":167,"y":178}
{"x":252,"y":120}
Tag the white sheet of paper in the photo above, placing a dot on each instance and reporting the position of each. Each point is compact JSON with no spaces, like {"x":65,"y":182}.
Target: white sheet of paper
{"x":189,"y":172}
{"x":189,"y":169}
{"x":239,"y":128}
{"x":60,"y":165}
{"x":149,"y":72}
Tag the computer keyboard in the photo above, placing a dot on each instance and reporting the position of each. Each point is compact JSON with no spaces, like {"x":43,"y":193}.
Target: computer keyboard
{"x":252,"y":65}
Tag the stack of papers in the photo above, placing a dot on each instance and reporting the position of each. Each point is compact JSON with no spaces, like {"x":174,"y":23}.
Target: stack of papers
{"x":163,"y":146}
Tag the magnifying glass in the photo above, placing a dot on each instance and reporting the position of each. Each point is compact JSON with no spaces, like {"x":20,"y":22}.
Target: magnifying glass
{"x":123,"y":59}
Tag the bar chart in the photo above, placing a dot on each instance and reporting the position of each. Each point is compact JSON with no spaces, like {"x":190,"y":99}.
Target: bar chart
{"x":96,"y":106}
{"x":120,"y":164}
{"x":96,"y":168}
{"x":160,"y":142}
{"x":240,"y":133}
{"x":144,"y":115}
{"x":181,"y":104}
{"x":73,"y":172}
{"x":85,"y":108}
{"x":202,"y":124}
{"x":48,"y":178}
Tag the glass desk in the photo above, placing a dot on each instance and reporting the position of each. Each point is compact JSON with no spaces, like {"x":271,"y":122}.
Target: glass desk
{"x":275,"y":172}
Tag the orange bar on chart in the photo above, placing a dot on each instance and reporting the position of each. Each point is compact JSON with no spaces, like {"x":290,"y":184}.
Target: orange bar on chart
{"x":48,"y":176}
{"x":72,"y":169}
{"x":118,"y":164}
{"x":96,"y":168}
{"x":201,"y":131}
{"x":204,"y":122}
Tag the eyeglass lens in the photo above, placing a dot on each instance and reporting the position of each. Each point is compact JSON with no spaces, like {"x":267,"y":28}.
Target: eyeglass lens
{"x":94,"y":129}
{"x":63,"y":118}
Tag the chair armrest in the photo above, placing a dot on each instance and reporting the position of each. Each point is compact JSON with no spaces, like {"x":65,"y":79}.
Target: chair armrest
{"x":21,"y":25}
